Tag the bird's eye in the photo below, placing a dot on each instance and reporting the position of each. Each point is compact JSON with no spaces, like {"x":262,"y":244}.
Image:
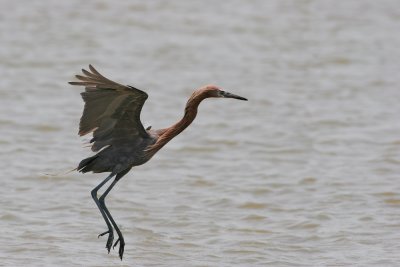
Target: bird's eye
{"x":221,"y":92}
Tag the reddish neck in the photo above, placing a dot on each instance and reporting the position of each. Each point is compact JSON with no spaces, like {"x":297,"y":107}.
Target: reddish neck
{"x":190,"y":114}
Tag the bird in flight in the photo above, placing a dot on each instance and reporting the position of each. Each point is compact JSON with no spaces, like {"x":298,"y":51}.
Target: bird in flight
{"x":112,"y":114}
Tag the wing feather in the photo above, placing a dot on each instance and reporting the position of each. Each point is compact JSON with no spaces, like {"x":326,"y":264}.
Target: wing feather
{"x":111,"y":111}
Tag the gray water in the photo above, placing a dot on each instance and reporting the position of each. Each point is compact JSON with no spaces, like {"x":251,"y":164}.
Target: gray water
{"x":306,"y":173}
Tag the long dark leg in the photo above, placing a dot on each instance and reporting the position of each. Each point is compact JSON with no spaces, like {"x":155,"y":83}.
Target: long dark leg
{"x":96,"y":200}
{"x":120,"y":239}
{"x":103,"y":205}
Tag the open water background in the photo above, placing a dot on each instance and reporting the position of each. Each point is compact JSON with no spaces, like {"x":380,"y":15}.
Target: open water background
{"x":304,"y":174}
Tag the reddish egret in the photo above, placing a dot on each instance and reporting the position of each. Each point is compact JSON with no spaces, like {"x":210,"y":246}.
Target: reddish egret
{"x":112,"y":113}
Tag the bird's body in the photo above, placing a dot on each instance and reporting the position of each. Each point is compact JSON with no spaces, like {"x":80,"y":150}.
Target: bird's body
{"x":112,"y":113}
{"x":129,"y":156}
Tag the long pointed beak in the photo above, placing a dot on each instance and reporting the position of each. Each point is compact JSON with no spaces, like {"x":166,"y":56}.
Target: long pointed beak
{"x":230,"y":95}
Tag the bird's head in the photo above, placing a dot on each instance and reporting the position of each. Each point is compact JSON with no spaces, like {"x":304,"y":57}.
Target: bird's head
{"x":215,"y":91}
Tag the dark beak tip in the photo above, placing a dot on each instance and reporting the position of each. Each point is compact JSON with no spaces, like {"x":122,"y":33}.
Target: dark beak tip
{"x":241,"y":98}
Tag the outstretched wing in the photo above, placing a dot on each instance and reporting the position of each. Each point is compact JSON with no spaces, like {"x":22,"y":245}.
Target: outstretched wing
{"x":111,"y":112}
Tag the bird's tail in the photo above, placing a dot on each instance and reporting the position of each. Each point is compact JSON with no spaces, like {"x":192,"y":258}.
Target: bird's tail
{"x":87,"y":164}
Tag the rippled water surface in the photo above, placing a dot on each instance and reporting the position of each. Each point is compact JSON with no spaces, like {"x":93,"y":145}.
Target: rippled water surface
{"x":304,"y":174}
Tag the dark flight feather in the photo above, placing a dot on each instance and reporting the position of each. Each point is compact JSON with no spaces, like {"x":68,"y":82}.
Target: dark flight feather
{"x":111,"y":112}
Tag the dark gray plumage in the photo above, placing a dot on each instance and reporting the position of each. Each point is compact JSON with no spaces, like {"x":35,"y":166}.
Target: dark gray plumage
{"x":112,"y":113}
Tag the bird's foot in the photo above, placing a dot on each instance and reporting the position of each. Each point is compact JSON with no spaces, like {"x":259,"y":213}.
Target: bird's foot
{"x":110,"y":239}
{"x":121,"y":242}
